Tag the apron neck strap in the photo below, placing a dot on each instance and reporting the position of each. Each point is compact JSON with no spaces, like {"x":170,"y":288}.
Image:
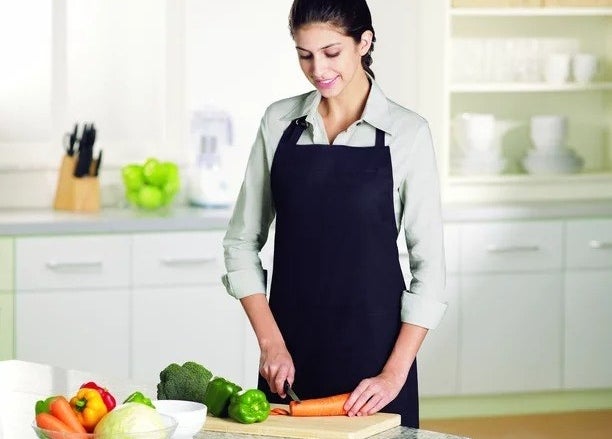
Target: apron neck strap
{"x":380,"y":137}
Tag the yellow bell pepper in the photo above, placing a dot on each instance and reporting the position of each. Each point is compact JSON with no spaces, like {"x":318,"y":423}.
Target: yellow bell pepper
{"x":89,"y":407}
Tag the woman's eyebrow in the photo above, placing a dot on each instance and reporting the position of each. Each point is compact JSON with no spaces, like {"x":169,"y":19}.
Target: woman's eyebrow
{"x":322,"y":48}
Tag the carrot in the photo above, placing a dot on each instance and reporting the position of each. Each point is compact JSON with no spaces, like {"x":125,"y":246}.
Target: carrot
{"x":279,"y":411}
{"x":50,"y":422}
{"x":60,"y":408}
{"x":328,"y":406}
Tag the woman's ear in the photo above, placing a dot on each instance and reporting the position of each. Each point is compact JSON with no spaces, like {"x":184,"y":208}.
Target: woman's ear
{"x":366,"y":42}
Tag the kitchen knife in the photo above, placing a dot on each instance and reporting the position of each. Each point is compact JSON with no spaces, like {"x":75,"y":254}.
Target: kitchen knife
{"x":289,"y":391}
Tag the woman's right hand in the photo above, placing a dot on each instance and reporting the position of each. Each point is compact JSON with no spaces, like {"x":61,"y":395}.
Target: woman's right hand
{"x":276,"y":366}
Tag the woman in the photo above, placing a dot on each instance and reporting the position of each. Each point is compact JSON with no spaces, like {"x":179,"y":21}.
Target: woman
{"x":339,"y":168}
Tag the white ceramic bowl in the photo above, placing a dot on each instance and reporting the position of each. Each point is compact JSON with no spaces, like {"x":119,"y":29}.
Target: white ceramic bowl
{"x":191,"y":416}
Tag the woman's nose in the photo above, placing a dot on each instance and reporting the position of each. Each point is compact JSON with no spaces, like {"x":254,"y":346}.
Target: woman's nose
{"x":318,"y":67}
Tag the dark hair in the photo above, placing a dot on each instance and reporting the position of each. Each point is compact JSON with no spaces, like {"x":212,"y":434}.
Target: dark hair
{"x":351,"y":15}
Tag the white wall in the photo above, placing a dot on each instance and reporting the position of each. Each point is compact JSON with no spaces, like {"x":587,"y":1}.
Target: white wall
{"x":234,"y":54}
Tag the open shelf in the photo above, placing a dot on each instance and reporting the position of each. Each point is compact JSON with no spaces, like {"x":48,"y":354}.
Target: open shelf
{"x":535,"y":87}
{"x":528,"y":179}
{"x":530,"y":12}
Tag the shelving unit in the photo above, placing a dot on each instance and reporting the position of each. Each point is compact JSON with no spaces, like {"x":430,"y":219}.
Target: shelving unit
{"x":588,"y":106}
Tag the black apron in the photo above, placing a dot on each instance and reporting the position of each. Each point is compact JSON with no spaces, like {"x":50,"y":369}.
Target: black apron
{"x":337,"y":283}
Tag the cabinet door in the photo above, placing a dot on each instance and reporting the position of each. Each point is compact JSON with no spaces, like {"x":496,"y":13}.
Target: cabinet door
{"x":6,"y":326}
{"x":76,"y":329}
{"x":178,"y":258}
{"x":191,"y":323}
{"x":588,"y":337}
{"x":510,"y":332}
{"x":70,"y":262}
{"x":438,"y":356}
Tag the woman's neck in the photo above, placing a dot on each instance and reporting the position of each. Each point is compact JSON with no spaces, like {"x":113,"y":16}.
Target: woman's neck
{"x":347,"y":107}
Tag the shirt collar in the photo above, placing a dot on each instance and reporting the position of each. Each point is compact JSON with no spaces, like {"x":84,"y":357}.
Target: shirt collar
{"x":376,"y":111}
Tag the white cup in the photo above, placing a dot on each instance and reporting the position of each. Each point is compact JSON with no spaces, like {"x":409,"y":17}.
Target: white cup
{"x":548,"y":131}
{"x":475,"y":131}
{"x":584,"y":67}
{"x":557,"y":68}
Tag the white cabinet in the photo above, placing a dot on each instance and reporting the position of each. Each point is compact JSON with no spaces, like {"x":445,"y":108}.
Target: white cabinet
{"x":72,"y":302}
{"x":6,"y":299}
{"x":588,"y":305}
{"x":491,"y":60}
{"x":181,"y":311}
{"x":178,"y":324}
{"x":510,"y":332}
{"x":83,"y":329}
{"x":511,"y":308}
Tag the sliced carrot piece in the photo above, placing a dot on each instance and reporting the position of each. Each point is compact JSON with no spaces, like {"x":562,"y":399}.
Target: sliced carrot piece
{"x":328,"y":406}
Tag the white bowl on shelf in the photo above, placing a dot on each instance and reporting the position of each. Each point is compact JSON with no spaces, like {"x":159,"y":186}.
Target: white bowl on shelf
{"x":561,"y":161}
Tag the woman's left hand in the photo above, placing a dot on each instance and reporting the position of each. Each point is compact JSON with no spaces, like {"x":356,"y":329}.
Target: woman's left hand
{"x":372,"y":394}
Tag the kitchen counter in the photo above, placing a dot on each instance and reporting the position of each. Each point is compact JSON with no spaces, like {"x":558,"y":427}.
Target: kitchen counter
{"x":48,"y":221}
{"x":23,"y":383}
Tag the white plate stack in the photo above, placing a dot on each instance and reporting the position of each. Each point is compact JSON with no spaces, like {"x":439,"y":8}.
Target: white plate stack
{"x":478,"y":138}
{"x":550,"y":154}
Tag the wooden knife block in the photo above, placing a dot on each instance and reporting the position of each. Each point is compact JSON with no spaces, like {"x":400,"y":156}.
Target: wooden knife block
{"x":76,"y":194}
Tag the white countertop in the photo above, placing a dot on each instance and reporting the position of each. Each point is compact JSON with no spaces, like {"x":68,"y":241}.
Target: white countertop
{"x":49,"y":221}
{"x":23,"y":383}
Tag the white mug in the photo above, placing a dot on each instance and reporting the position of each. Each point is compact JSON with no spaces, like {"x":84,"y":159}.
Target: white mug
{"x":557,"y":68}
{"x":584,"y":67}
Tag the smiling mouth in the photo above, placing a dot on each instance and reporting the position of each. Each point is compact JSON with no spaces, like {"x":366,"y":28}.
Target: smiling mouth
{"x":324,"y":83}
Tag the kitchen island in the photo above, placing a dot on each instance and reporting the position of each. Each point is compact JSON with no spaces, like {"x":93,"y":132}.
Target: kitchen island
{"x":23,"y":383}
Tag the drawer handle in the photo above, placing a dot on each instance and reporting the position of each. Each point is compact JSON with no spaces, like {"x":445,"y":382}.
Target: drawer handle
{"x":512,"y":248}
{"x":178,"y":262}
{"x":74,"y":266}
{"x":600,"y":245}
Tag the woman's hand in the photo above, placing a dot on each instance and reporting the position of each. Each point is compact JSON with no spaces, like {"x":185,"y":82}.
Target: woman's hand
{"x":372,"y":394}
{"x":276,"y":366}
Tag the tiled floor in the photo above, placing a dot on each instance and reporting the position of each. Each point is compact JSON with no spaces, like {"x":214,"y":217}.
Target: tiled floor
{"x":574,"y":425}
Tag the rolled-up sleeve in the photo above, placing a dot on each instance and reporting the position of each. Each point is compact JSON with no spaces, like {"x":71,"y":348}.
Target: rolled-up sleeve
{"x":423,"y":303}
{"x":249,"y":225}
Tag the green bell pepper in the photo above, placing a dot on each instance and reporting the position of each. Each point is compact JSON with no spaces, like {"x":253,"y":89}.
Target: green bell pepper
{"x":249,"y":407}
{"x":43,"y":405}
{"x":140,"y":399}
{"x":218,"y":394}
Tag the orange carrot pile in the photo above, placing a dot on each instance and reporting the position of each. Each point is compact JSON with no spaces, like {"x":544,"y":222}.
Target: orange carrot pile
{"x":328,"y":406}
{"x":61,"y":418}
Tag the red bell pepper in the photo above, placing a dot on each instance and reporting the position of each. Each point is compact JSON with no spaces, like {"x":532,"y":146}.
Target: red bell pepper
{"x":109,"y":400}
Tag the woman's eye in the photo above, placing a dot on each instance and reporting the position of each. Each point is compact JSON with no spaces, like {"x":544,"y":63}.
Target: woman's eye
{"x":305,"y":56}
{"x":332,"y":55}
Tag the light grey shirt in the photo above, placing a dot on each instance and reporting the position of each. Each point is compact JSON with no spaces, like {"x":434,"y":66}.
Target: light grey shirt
{"x":416,"y":196}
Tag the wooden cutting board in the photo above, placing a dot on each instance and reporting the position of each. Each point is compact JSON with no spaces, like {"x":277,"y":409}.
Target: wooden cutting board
{"x":316,"y":427}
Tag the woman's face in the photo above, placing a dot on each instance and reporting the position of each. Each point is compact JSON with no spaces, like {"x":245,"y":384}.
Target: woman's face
{"x":329,"y":58}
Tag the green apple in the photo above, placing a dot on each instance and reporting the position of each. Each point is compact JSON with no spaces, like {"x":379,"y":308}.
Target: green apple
{"x":150,"y":197}
{"x":133,"y":177}
{"x":155,"y":173}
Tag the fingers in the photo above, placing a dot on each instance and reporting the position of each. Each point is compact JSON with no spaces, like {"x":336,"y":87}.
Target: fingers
{"x":370,"y":396}
{"x":276,"y":368}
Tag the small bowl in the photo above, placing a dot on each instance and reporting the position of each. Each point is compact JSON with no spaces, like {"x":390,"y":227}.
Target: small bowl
{"x":191,"y":416}
{"x":163,"y":433}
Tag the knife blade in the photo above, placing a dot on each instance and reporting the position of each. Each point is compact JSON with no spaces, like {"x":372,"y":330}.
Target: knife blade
{"x":289,"y":391}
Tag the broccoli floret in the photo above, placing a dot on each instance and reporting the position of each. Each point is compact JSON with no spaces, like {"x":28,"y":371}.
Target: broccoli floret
{"x":187,"y":382}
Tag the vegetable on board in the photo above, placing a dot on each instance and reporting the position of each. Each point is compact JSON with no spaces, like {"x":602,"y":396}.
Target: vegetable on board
{"x":187,"y":382}
{"x":218,"y":395}
{"x":107,"y":397}
{"x":89,"y":407}
{"x":249,"y":407}
{"x":327,"y":406}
